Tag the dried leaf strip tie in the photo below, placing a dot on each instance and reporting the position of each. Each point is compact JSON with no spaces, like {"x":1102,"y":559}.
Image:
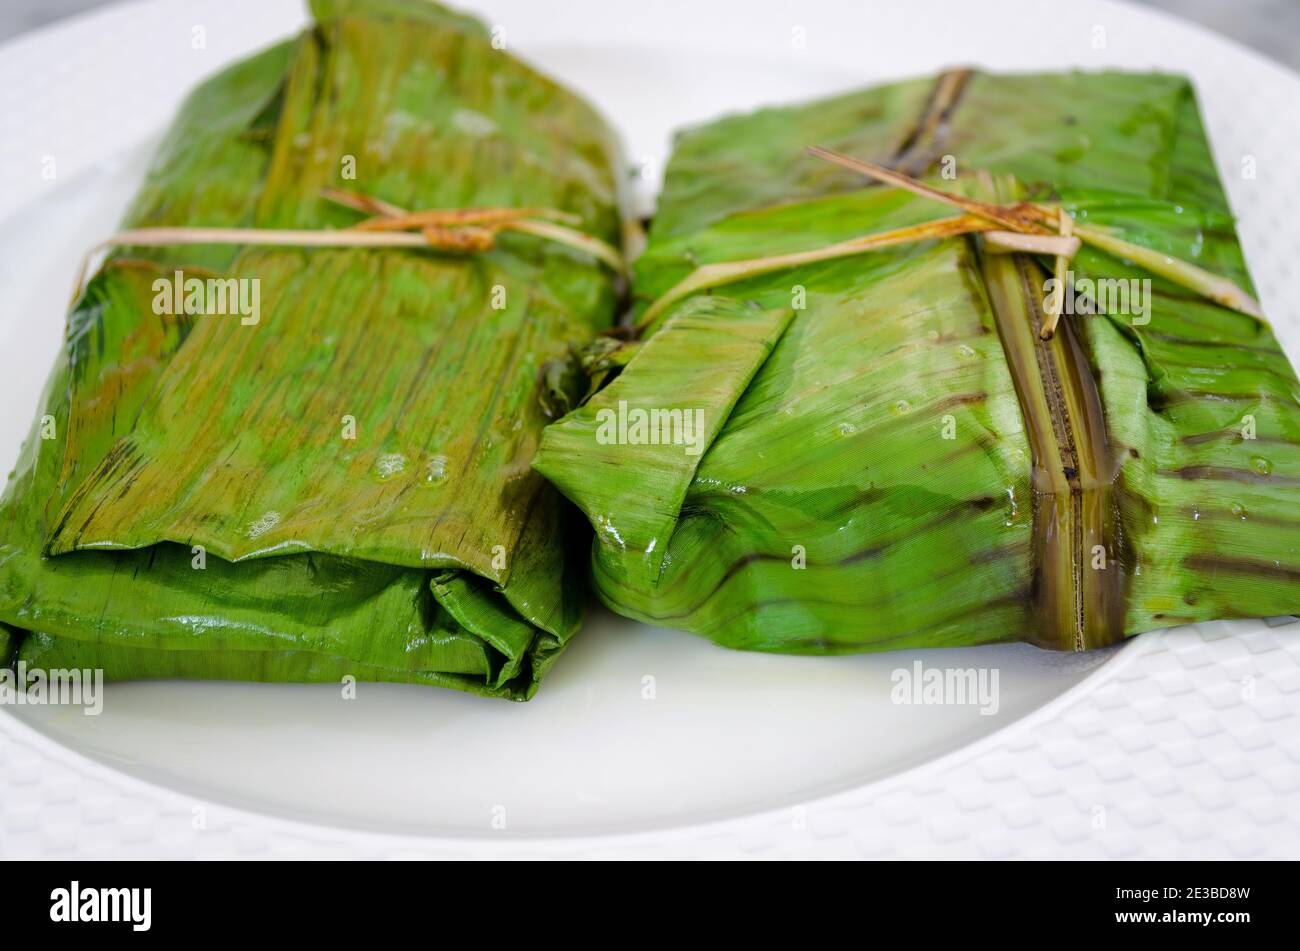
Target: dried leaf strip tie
{"x":1024,"y":227}
{"x":452,"y":230}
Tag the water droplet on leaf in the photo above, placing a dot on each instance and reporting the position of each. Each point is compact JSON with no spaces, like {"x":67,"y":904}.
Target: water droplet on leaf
{"x":390,"y":464}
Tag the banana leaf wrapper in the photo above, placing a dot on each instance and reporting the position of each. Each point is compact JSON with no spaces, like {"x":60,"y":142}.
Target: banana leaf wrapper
{"x":343,"y":488}
{"x":885,"y":455}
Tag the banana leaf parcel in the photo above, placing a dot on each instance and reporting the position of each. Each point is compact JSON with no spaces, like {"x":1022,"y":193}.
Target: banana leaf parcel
{"x":335,"y":482}
{"x":828,"y":453}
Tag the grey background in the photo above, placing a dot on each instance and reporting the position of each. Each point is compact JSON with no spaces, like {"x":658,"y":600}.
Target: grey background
{"x":1270,"y":26}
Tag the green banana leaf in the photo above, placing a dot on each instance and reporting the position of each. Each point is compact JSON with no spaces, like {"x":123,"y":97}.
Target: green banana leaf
{"x":342,"y":486}
{"x":884,"y":453}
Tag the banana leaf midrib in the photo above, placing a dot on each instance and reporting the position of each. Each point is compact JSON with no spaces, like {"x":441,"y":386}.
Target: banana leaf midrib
{"x":1079,"y":607}
{"x":925,"y":144}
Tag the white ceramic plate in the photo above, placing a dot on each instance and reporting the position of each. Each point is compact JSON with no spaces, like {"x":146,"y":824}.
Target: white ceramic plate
{"x":591,"y":759}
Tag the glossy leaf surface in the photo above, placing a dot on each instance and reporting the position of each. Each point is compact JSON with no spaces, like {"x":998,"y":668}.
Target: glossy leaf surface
{"x":342,"y":486}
